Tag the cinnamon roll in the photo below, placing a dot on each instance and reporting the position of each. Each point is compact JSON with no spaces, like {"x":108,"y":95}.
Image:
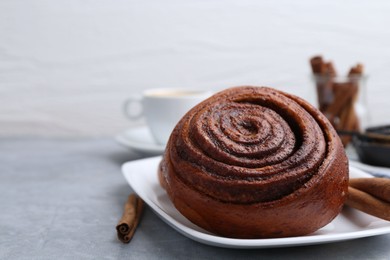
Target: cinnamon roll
{"x":255,"y":162}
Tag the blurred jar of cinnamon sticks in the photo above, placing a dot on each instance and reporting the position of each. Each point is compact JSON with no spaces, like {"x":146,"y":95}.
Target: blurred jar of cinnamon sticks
{"x":342,"y":99}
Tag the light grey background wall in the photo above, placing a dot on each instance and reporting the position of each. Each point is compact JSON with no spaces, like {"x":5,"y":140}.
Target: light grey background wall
{"x":67,"y":66}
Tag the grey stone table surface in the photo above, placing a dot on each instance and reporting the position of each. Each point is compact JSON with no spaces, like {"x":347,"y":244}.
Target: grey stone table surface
{"x":61,"y":199}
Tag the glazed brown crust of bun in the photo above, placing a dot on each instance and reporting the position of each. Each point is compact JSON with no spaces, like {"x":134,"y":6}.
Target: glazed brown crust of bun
{"x":255,"y":162}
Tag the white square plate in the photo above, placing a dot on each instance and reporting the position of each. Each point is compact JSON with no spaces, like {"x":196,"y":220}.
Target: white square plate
{"x":350,"y":224}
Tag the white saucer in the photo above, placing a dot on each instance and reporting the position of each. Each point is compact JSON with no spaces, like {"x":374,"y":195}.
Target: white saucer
{"x":139,"y":139}
{"x":350,"y":224}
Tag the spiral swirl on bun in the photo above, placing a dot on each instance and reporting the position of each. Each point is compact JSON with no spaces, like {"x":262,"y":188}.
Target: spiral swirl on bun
{"x":255,"y":162}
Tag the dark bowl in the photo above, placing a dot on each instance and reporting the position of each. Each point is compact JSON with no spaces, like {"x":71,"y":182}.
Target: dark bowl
{"x":381,"y":130}
{"x":373,"y":147}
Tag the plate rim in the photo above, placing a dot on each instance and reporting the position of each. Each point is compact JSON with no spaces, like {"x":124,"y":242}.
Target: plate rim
{"x":374,"y":170}
{"x":211,"y":239}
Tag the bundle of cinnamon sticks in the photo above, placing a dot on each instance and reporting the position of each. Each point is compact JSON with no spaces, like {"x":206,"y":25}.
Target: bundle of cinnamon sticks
{"x":336,"y":100}
{"x":370,"y":195}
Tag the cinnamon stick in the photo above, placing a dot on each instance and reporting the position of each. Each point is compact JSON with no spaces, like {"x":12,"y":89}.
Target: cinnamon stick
{"x":324,"y":73}
{"x":378,"y":187}
{"x":317,"y":65}
{"x":367,"y":203}
{"x":370,"y":195}
{"x":131,"y":216}
{"x":343,"y":92}
{"x":330,"y":69}
{"x":356,"y":70}
{"x":349,"y":120}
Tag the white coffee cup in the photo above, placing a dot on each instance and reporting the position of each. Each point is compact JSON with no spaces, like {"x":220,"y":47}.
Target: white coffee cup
{"x":163,"y":108}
